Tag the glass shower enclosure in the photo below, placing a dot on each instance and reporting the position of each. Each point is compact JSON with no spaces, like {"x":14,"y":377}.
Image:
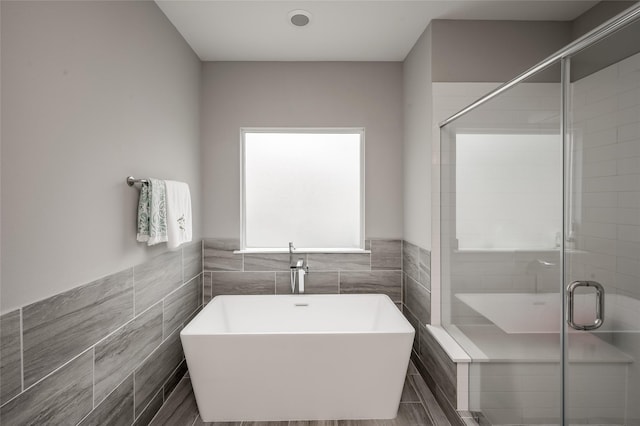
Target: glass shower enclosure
{"x":540,"y":236}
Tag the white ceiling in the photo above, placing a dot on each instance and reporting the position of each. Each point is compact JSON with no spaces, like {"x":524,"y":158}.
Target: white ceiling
{"x":346,"y":30}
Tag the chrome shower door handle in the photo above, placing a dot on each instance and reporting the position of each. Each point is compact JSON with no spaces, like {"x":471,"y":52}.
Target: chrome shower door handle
{"x":571,"y":288}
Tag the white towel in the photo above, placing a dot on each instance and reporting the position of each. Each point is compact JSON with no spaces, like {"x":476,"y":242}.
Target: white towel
{"x":179,"y":223}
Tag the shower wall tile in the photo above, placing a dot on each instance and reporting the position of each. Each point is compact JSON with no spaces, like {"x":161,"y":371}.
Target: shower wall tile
{"x":179,"y":305}
{"x":314,"y":283}
{"x":119,"y":354}
{"x":191,"y":261}
{"x":60,"y":327}
{"x":339,"y":261}
{"x":386,"y":254}
{"x":10,"y":356}
{"x":218,"y":255}
{"x":116,"y":409}
{"x":207,"y":292}
{"x":270,"y":261}
{"x":417,"y":299}
{"x":157,"y":278}
{"x":64,"y":397}
{"x":151,"y":375}
{"x":411,"y":260}
{"x":384,"y":282}
{"x":243,"y":283}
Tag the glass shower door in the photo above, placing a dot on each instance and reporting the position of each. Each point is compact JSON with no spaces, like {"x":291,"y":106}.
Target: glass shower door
{"x":602,"y":232}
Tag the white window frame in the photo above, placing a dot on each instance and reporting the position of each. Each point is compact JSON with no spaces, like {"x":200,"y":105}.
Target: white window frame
{"x":316,"y":130}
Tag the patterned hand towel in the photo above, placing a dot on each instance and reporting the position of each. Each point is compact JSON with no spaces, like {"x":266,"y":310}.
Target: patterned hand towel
{"x":179,"y":224}
{"x":152,"y":213}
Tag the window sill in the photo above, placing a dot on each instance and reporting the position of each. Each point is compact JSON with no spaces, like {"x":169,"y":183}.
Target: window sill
{"x":301,"y":251}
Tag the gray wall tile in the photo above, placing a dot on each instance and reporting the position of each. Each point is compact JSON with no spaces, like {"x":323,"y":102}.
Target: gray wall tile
{"x":442,"y":368}
{"x":119,"y":354}
{"x":207,"y":292}
{"x":243,"y":283}
{"x":64,"y":397}
{"x":191,"y":261}
{"x":417,"y":299}
{"x":180,"y":409}
{"x":174,"y":378}
{"x":60,"y":327}
{"x":314,"y":283}
{"x":429,"y":401}
{"x":150,"y":410}
{"x":10,"y":356}
{"x":156,"y":278}
{"x":339,"y":261}
{"x":425,"y":268}
{"x":270,"y":261}
{"x":180,"y":304}
{"x":383,"y":282}
{"x":409,"y":394}
{"x":218,"y":255}
{"x":386,"y":254}
{"x":116,"y":409}
{"x":151,"y":375}
{"x":411,"y":260}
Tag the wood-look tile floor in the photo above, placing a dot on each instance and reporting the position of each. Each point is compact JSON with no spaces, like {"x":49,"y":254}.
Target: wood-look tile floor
{"x":418,"y":407}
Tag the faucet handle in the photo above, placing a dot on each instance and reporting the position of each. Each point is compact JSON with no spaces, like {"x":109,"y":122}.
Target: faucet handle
{"x":291,"y":247}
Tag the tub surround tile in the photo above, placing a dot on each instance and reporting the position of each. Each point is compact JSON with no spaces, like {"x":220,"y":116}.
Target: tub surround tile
{"x":207,"y":292}
{"x":10,"y":356}
{"x":173,"y":380}
{"x":180,"y":409}
{"x":270,"y":261}
{"x":411,"y":260}
{"x":386,"y":254}
{"x":150,"y":410}
{"x":152,"y":374}
{"x":243,"y":283}
{"x":314,"y":283}
{"x":416,"y":326}
{"x":424,"y":274}
{"x":64,"y":397}
{"x":429,"y":401}
{"x":384,"y":282}
{"x":191,"y":261}
{"x":60,"y":327}
{"x":119,"y":354}
{"x":339,"y":261}
{"x":417,"y":300}
{"x":157,"y":278}
{"x":116,"y":409}
{"x":179,"y":305}
{"x":218,"y":255}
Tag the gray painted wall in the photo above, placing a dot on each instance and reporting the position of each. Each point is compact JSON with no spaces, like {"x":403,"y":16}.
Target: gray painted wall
{"x":494,"y":51}
{"x":92,"y":92}
{"x":418,"y":126}
{"x":302,"y":94}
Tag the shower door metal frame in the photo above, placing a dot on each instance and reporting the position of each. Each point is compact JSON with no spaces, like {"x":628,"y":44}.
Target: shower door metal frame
{"x":562,"y":57}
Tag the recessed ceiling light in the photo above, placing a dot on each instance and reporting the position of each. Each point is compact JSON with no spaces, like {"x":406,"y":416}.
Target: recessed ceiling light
{"x":299,"y":18}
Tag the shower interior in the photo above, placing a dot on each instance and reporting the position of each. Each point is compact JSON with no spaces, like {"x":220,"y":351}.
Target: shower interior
{"x":539,"y":188}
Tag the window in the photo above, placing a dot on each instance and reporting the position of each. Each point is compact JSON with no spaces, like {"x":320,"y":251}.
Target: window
{"x":508,"y":191}
{"x":304,"y":186}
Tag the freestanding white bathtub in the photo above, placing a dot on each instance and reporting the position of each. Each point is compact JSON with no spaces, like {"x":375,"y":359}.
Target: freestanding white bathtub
{"x":298,"y":357}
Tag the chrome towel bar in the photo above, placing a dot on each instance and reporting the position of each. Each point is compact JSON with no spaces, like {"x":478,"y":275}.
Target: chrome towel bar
{"x":132,"y":181}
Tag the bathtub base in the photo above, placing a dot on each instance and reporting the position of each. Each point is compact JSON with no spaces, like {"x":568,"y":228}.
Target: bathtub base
{"x":297,"y":384}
